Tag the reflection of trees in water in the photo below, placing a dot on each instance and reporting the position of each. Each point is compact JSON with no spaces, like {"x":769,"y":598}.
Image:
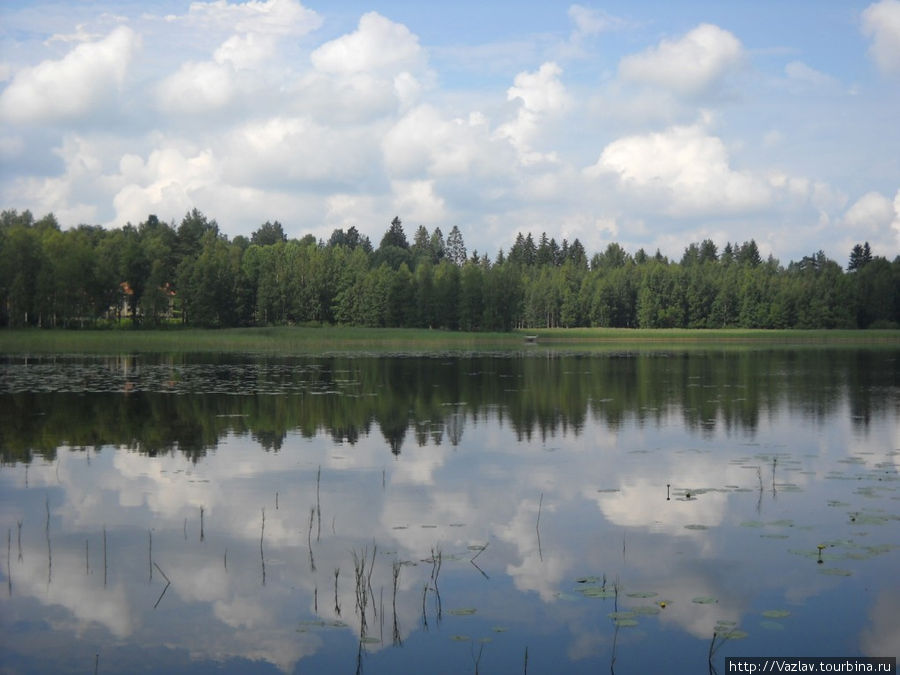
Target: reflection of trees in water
{"x":538,"y":397}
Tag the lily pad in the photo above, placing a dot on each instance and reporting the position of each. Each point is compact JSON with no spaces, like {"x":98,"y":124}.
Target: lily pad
{"x":705,"y":600}
{"x":694,"y":526}
{"x":835,"y":572}
{"x":597,"y":592}
{"x":735,"y":634}
{"x":460,"y":638}
{"x":368,"y":640}
{"x":648,"y":610}
{"x":463,"y":611}
{"x":625,"y":623}
{"x":776,"y":613}
{"x":641,"y":594}
{"x":621,"y":615}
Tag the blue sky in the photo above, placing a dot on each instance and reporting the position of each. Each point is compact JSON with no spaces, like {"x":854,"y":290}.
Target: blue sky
{"x":652,"y":124}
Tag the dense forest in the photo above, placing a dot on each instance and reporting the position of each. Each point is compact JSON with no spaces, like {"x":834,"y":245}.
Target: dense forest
{"x":156,"y":274}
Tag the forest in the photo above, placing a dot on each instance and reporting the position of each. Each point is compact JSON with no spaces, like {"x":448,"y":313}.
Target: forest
{"x":157,"y":274}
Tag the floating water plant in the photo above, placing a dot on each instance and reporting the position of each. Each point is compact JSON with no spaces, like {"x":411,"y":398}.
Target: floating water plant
{"x":704,"y":600}
{"x":776,"y":613}
{"x":646,"y":610}
{"x":597,"y":592}
{"x":464,"y":611}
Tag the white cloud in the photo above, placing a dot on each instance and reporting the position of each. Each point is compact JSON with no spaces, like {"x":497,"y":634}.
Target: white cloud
{"x":418,"y":201}
{"x":425,"y":142}
{"x":591,"y":21}
{"x":801,"y":73}
{"x":691,"y":65}
{"x":895,"y":225}
{"x":881,"y":22}
{"x":871,"y":212}
{"x":71,"y":87}
{"x":197,"y":88}
{"x":165,"y":184}
{"x":542,"y":95}
{"x":283,"y":150}
{"x":245,"y":51}
{"x":80,"y":35}
{"x":377,"y":45}
{"x":875,"y":218}
{"x":272,"y":17}
{"x":684,"y":168}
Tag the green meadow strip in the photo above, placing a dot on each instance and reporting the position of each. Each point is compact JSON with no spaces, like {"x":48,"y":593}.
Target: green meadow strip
{"x":326,"y":339}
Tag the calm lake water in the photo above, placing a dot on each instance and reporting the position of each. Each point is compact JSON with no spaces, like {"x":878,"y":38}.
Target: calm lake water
{"x":536,"y":512}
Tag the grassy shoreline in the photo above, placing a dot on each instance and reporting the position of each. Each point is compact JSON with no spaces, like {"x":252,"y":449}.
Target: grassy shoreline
{"x":299,"y":340}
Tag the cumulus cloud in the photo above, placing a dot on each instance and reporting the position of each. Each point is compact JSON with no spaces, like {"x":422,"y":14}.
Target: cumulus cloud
{"x":71,"y":87}
{"x":686,"y":170}
{"x":881,"y":23}
{"x":424,"y":141}
{"x":876,"y":218}
{"x":245,"y":51}
{"x":692,"y":65}
{"x":871,"y":211}
{"x":378,"y":44}
{"x":292,"y":150}
{"x":166,"y":183}
{"x":418,"y":200}
{"x":542,"y":95}
{"x":197,"y":88}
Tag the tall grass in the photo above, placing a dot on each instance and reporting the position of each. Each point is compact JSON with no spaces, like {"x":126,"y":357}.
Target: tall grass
{"x":304,"y":340}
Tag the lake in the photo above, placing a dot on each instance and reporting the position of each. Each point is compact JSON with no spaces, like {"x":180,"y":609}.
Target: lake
{"x":538,"y":511}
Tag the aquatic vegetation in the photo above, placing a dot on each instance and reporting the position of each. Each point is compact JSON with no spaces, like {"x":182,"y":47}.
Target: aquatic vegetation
{"x":776,"y":613}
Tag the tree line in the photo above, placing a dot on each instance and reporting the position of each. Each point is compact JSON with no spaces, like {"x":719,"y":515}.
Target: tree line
{"x":157,"y":273}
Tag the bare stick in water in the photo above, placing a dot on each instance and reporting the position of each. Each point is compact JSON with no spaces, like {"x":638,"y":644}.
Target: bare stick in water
{"x":318,"y":504}
{"x":312,"y":560}
{"x":537,"y":527}
{"x":337,"y":605}
{"x":262,"y":558}
{"x":47,"y":531}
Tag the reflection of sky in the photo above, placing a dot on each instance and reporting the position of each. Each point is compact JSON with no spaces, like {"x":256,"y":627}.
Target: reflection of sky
{"x":550,"y":511}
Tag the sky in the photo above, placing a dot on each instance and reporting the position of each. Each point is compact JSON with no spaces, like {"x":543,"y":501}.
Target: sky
{"x":649,"y":124}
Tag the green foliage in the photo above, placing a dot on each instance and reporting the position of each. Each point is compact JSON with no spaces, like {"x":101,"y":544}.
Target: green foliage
{"x":155,"y":274}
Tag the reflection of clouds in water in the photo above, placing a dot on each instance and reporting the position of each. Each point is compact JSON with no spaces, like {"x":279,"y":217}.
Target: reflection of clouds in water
{"x":83,"y":595}
{"x":537,"y":570}
{"x":642,"y":503}
{"x":486,"y":489}
{"x":882,"y":636}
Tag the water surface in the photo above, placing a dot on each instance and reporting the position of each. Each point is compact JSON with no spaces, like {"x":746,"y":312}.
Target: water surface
{"x":450,"y":513}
